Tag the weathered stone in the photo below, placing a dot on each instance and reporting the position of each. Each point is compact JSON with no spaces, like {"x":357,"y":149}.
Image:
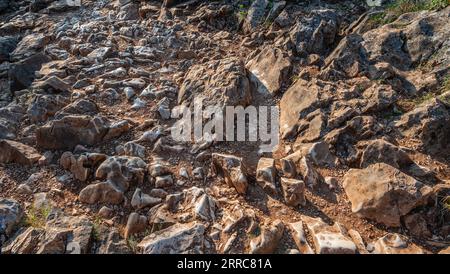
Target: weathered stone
{"x":255,"y":15}
{"x":73,"y":130}
{"x":269,"y":239}
{"x":176,"y":239}
{"x":383,"y":193}
{"x":141,"y":200}
{"x":14,"y":152}
{"x":10,"y":215}
{"x":269,"y":70}
{"x":394,"y":243}
{"x":329,"y":239}
{"x":315,"y":33}
{"x":293,"y":191}
{"x":136,"y":223}
{"x":382,"y":151}
{"x":299,"y":236}
{"x":223,"y":83}
{"x":232,"y":170}
{"x":265,"y":175}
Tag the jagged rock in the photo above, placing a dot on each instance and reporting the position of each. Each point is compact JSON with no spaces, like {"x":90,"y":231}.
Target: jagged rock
{"x":105,"y":212}
{"x":26,"y":242}
{"x":402,"y":44}
{"x":299,"y":236}
{"x":255,"y":15}
{"x":128,"y":12}
{"x":158,"y":169}
{"x":72,"y":130}
{"x":10,"y":117}
{"x":269,"y":70}
{"x":359,"y":242}
{"x":417,"y":225}
{"x":205,"y":208}
{"x":7,"y":46}
{"x":315,"y":33}
{"x":119,"y":172}
{"x":394,"y":243}
{"x":293,"y":191}
{"x":44,"y":106}
{"x":80,"y":166}
{"x":269,"y":239}
{"x":344,"y":139}
{"x":100,"y":54}
{"x":378,"y":98}
{"x":383,"y":193}
{"x":176,"y":239}
{"x":10,"y":215}
{"x":265,"y":175}
{"x":319,"y":153}
{"x":101,"y":193}
{"x":222,"y":82}
{"x":430,"y":124}
{"x":311,"y":177}
{"x":141,"y":200}
{"x":232,"y":170}
{"x":78,"y":107}
{"x":29,"y":45}
{"x":52,"y":84}
{"x":14,"y":152}
{"x":62,"y":235}
{"x":164,"y":181}
{"x":21,"y":74}
{"x":382,"y":151}
{"x":299,"y":100}
{"x":136,"y":223}
{"x":329,"y":239}
{"x":445,"y":251}
{"x":111,"y":242}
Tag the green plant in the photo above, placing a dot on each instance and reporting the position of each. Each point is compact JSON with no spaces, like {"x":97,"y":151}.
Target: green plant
{"x":446,"y":83}
{"x":446,"y":203}
{"x":132,"y":243}
{"x":37,"y":217}
{"x":399,"y":7}
{"x":96,"y":228}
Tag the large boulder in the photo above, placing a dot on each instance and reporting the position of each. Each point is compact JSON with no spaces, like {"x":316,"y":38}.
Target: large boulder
{"x":14,"y":152}
{"x":315,"y":33}
{"x":22,"y":73}
{"x":429,"y":123}
{"x":300,"y":99}
{"x":384,"y":193}
{"x":222,"y":83}
{"x":269,"y":70}
{"x":73,"y":130}
{"x":176,"y":239}
{"x":382,"y":151}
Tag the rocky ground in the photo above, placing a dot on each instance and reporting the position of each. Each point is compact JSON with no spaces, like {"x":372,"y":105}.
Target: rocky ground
{"x":88,"y":164}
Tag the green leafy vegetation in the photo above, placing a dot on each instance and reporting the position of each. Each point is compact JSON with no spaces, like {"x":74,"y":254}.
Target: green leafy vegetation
{"x":399,"y":7}
{"x":37,"y":217}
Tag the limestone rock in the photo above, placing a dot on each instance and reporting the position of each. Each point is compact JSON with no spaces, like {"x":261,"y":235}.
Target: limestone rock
{"x":383,"y":193}
{"x":14,"y":152}
{"x":329,"y":239}
{"x":232,"y":170}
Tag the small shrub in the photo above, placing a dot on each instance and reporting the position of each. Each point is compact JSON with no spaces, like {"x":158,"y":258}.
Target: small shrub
{"x":37,"y":217}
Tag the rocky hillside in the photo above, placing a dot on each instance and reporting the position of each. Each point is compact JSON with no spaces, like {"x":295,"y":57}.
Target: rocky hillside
{"x":88,"y":163}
